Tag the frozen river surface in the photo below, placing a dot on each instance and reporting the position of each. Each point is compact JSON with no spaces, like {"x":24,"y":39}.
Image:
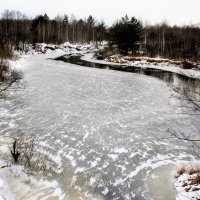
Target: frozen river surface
{"x":101,"y":126}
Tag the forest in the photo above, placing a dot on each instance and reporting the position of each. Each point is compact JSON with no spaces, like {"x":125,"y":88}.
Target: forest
{"x":176,"y":42}
{"x":17,"y":28}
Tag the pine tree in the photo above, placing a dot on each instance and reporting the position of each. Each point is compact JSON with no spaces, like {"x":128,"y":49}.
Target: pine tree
{"x":127,"y":34}
{"x":91,"y":23}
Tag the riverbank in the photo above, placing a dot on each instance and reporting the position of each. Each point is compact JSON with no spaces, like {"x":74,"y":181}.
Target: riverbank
{"x":87,"y":51}
{"x":164,"y":66}
{"x":14,"y":177}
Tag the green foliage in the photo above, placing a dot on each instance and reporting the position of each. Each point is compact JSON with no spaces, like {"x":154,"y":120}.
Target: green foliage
{"x":127,"y":34}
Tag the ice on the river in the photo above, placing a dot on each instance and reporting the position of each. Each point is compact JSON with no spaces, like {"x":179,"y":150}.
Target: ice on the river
{"x":102,"y":127}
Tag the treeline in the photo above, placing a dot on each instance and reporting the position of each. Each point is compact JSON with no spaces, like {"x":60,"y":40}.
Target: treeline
{"x":129,"y":35}
{"x":172,"y":41}
{"x":17,"y":28}
{"x":178,"y":42}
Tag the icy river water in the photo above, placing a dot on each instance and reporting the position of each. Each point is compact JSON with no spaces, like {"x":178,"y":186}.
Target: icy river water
{"x":104,"y":128}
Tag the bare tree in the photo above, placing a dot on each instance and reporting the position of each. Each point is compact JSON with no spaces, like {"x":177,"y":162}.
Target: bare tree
{"x":191,"y":101}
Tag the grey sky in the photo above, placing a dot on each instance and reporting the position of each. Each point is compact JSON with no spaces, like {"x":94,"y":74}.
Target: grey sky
{"x":174,"y":11}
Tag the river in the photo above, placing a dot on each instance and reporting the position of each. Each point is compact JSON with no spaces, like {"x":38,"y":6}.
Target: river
{"x":105,"y":129}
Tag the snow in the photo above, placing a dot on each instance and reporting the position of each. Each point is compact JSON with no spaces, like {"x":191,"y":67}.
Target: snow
{"x":169,"y":68}
{"x":90,"y":57}
{"x":67,"y":48}
{"x":13,"y":178}
{"x":105,"y":191}
{"x":184,"y":186}
{"x":165,"y":66}
{"x":88,"y":49}
{"x":101,"y":128}
{"x":182,"y":194}
{"x":1,"y":183}
{"x":18,"y":63}
{"x":113,"y":156}
{"x":121,"y":150}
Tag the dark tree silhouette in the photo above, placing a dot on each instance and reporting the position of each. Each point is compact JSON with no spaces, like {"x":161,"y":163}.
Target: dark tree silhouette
{"x":127,"y":35}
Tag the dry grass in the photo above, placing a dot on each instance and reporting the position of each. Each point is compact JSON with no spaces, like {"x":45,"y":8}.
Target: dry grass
{"x":107,"y":52}
{"x":194,"y":173}
{"x":194,"y":170}
{"x":6,"y":53}
{"x":191,"y":181}
{"x":30,"y":157}
{"x":8,"y":76}
{"x":181,"y":170}
{"x":196,"y":181}
{"x":189,"y":170}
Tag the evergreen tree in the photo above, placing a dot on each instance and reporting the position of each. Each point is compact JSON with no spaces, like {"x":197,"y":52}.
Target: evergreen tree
{"x":91,"y":23}
{"x":126,"y":34}
{"x":46,"y":17}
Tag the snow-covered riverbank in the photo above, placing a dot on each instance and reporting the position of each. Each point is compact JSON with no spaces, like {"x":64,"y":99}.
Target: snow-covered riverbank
{"x":88,"y":55}
{"x":165,"y":66}
{"x":14,"y":177}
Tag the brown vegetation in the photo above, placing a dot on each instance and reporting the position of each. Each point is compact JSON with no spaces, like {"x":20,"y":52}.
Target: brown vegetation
{"x":6,"y":52}
{"x":25,"y":151}
{"x":193,"y":172}
{"x":8,"y":76}
{"x":181,"y":170}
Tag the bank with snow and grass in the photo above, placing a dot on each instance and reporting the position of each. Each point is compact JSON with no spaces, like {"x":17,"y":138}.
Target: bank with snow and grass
{"x":145,"y":62}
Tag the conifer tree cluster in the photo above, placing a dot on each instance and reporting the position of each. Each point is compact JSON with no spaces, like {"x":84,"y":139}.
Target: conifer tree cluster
{"x":126,"y":34}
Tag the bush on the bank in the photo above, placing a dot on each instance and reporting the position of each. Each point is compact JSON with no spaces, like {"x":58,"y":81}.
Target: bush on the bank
{"x":6,"y":52}
{"x":26,"y":151}
{"x":105,"y":53}
{"x":188,"y":65}
{"x":8,"y":76}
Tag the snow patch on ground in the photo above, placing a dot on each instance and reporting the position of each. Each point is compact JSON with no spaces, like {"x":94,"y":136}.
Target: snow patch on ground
{"x":14,"y":177}
{"x":187,"y":185}
{"x":23,"y":59}
{"x":186,"y":192}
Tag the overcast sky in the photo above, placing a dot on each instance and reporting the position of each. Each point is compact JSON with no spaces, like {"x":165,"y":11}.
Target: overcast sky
{"x":173,"y":11}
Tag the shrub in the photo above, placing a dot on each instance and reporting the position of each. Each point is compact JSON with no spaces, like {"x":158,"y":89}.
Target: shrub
{"x":181,"y":170}
{"x":188,"y":65}
{"x":6,"y":53}
{"x":26,"y":151}
{"x":105,"y":53}
{"x":126,"y":35}
{"x":8,"y":76}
